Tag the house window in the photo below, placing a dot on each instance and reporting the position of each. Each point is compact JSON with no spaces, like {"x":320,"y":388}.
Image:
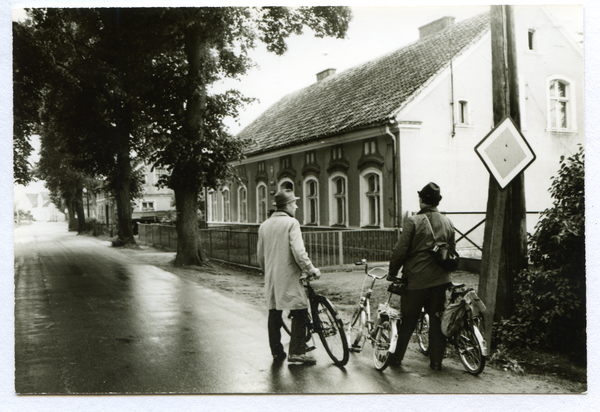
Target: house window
{"x":261,"y":166}
{"x":337,"y":152}
{"x":370,"y":203}
{"x":369,"y":147}
{"x":463,"y":112}
{"x":338,"y":201}
{"x":559,"y":105}
{"x":147,"y":206}
{"x":226,"y":205}
{"x":311,"y":201}
{"x":214,"y":207}
{"x":261,"y":196}
{"x":242,"y":204}
{"x":531,"y":40}
{"x":310,"y":158}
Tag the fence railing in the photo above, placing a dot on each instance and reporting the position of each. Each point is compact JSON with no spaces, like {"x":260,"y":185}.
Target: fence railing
{"x":327,"y":248}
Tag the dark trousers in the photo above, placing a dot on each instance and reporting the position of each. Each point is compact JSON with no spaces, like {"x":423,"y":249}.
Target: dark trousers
{"x":298,"y":333}
{"x":432,"y":299}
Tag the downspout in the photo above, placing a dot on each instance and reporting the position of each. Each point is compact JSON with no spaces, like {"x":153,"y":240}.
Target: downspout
{"x":395,"y":172}
{"x":452,"y":88}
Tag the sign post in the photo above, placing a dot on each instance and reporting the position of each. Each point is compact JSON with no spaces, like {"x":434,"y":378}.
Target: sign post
{"x":505,"y":153}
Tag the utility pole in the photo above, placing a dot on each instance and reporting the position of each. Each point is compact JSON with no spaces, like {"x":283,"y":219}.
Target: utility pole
{"x":505,"y":238}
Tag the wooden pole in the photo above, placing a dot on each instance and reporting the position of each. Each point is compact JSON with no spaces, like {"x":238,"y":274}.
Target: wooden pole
{"x":505,"y":242}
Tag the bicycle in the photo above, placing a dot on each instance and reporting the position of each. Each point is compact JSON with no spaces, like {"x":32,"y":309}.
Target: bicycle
{"x":324,"y":320}
{"x":382,"y":333}
{"x":468,"y":339}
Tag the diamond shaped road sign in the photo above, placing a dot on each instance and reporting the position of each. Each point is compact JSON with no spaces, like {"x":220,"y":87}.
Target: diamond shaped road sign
{"x":505,"y":152}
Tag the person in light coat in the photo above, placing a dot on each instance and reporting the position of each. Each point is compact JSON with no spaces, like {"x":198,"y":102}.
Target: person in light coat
{"x":283,"y":259}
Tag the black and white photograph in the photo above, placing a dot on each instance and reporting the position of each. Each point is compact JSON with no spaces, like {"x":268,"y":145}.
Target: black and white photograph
{"x":264,"y":203}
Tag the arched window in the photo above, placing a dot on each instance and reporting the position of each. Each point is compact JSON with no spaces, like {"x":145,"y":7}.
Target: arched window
{"x":214,"y":206}
{"x":559,"y":106}
{"x":311,"y":201}
{"x":338,"y":200}
{"x":226,"y":205}
{"x":286,"y":183}
{"x":370,"y":187}
{"x":242,"y":204}
{"x":261,"y":202}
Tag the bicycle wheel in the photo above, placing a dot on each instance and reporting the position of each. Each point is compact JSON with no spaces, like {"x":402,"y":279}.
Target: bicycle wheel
{"x":356,"y":329}
{"x":381,"y":346}
{"x":329,"y":326}
{"x":470,"y":351}
{"x":422,"y":332}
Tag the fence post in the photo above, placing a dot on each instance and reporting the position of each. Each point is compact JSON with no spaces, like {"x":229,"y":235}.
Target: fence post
{"x":341,"y":246}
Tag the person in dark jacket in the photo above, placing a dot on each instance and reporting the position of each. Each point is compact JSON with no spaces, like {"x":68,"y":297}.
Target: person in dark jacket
{"x":426,"y":281}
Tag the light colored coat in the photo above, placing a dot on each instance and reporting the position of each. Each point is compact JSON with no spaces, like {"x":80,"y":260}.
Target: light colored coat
{"x":283,"y":258}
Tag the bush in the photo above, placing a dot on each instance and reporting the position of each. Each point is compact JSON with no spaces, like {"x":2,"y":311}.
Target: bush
{"x":550,"y":309}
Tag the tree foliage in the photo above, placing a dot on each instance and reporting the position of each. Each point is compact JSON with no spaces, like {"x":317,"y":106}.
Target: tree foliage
{"x":551,"y":299}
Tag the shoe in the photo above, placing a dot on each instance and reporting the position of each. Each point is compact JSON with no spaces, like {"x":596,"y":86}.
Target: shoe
{"x":302,"y":359}
{"x":280,"y":357}
{"x":436,"y":366}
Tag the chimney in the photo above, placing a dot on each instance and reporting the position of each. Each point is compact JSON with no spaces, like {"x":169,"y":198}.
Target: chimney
{"x":325,"y":74}
{"x":435,"y":26}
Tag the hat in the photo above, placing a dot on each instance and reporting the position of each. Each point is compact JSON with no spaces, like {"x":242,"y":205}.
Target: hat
{"x":283,"y":197}
{"x":430,"y":193}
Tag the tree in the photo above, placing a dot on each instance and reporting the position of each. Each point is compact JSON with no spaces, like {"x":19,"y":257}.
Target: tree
{"x":84,"y":73}
{"x":202,"y":46}
{"x":550,"y":300}
{"x":25,"y":113}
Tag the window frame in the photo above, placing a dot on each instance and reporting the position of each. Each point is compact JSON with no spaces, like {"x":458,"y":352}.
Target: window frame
{"x":242,"y":204}
{"x":365,"y":210}
{"x":226,"y":205}
{"x":258,"y":202}
{"x":531,"y":46}
{"x":570,"y":106}
{"x":307,"y":201}
{"x":147,"y":209}
{"x":333,"y":196}
{"x":284,"y":180}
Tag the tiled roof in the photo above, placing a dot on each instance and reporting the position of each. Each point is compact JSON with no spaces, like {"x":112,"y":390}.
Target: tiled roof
{"x":365,"y":95}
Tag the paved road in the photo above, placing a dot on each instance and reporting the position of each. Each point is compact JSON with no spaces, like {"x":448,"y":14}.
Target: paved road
{"x":90,"y":320}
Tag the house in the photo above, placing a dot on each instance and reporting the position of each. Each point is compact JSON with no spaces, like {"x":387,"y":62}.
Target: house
{"x":40,"y":207}
{"x":155,"y":204}
{"x":356,"y":146}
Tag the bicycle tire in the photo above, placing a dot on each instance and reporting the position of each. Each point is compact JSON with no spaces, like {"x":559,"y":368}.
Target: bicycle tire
{"x":356,"y":330}
{"x":470,"y":351}
{"x":381,"y":346}
{"x":330,"y":328}
{"x":423,"y":333}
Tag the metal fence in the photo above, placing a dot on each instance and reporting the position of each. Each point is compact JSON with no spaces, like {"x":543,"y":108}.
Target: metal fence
{"x":325,"y":248}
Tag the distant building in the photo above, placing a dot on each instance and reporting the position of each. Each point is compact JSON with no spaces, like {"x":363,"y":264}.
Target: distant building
{"x":40,"y":207}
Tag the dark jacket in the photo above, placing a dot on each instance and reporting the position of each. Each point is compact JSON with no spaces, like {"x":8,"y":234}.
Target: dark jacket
{"x":412,"y":250}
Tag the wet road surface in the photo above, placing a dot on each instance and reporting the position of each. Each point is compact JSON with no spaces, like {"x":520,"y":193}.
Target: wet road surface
{"x":90,"y":320}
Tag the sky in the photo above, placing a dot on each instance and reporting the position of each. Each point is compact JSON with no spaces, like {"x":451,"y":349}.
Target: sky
{"x":375,"y":30}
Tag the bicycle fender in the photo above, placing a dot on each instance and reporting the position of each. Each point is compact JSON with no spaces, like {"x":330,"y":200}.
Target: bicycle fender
{"x":481,"y":340}
{"x":394,"y":337}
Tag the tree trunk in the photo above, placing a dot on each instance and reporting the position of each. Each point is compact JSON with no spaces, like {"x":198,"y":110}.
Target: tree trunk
{"x":71,"y":213}
{"x":188,"y":250}
{"x":123,"y":193}
{"x":186,"y":195}
{"x":79,"y":209}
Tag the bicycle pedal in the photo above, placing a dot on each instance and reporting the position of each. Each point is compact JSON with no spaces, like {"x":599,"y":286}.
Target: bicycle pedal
{"x":355,"y":349}
{"x":309,"y":348}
